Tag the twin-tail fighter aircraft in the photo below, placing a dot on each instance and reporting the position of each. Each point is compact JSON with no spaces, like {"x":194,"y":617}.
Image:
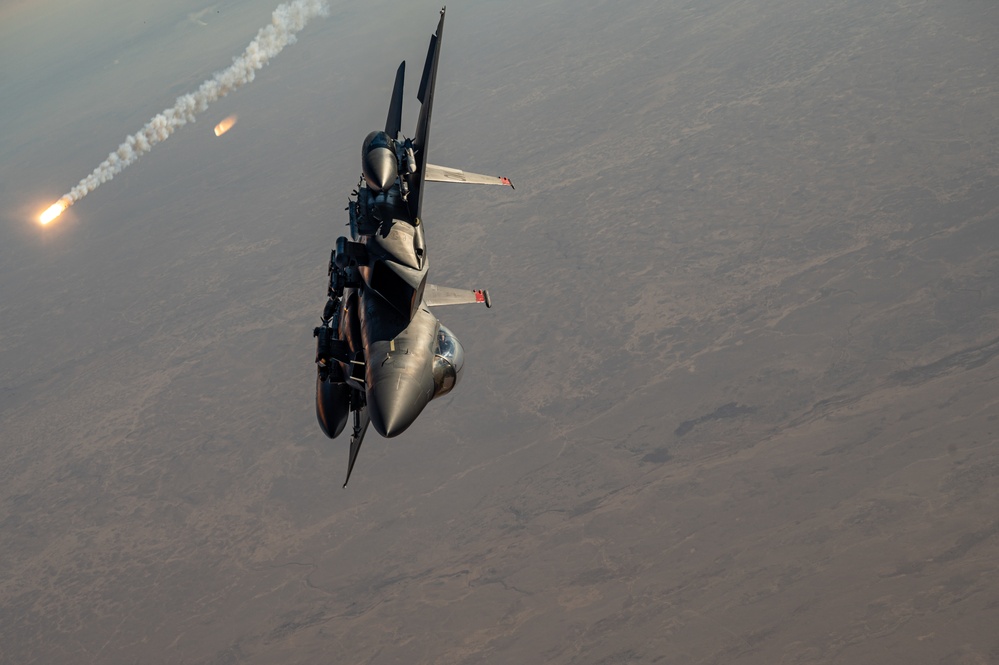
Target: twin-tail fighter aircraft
{"x":382,"y":356}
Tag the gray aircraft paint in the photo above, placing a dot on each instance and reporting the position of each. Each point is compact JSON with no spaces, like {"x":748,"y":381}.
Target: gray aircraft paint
{"x":382,"y":356}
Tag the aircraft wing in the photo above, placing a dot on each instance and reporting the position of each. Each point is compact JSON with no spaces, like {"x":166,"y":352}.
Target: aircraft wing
{"x":448,"y":295}
{"x":445,"y":174}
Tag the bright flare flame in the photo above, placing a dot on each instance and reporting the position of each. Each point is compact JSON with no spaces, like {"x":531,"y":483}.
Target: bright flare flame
{"x":53,"y":211}
{"x":289,"y":18}
{"x":226,"y":125}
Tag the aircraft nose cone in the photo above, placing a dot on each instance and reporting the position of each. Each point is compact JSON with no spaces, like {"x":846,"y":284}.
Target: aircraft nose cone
{"x":380,"y":168}
{"x":394,"y":402}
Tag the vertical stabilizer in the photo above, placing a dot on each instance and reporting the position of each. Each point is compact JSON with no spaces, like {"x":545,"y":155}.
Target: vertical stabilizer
{"x":393,"y":124}
{"x":426,"y":96}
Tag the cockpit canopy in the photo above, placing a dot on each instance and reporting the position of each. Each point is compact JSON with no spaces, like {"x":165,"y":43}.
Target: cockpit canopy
{"x":449,"y":358}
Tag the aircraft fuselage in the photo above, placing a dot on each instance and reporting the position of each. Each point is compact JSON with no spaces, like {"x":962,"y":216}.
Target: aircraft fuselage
{"x":382,"y":356}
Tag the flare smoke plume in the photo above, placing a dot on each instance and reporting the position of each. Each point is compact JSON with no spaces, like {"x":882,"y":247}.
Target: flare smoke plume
{"x":288,"y":19}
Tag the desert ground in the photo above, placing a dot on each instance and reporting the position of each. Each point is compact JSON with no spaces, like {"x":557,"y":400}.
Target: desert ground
{"x":736,"y":401}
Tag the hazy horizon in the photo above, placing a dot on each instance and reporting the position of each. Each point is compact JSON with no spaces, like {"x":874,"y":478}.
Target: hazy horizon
{"x":734,"y":401}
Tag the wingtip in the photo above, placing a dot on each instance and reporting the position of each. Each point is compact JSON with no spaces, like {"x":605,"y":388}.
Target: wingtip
{"x":507,"y":181}
{"x":482,"y":295}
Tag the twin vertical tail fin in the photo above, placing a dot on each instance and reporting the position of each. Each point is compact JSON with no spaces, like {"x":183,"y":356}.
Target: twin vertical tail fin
{"x":361,"y":421}
{"x":393,"y":124}
{"x":426,"y":97}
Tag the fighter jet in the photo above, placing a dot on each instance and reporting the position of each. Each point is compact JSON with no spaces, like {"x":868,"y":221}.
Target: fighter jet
{"x":381,"y":353}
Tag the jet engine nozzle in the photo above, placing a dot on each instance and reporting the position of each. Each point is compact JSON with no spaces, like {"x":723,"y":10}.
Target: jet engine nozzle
{"x":379,"y":163}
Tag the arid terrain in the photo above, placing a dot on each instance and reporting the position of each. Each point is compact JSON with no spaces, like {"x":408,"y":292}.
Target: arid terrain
{"x":736,"y":401}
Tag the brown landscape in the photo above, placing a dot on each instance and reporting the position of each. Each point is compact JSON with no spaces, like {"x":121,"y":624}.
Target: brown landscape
{"x":736,"y":401}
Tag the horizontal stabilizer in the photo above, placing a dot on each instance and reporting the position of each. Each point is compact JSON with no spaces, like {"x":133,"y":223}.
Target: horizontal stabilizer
{"x":445,"y":174}
{"x":447,"y":295}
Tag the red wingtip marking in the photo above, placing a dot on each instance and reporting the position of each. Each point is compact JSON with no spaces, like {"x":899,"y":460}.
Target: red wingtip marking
{"x":480,"y":296}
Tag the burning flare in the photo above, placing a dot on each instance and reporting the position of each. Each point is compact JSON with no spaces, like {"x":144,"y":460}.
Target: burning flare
{"x":288,"y":19}
{"x":226,"y":125}
{"x":54,"y":211}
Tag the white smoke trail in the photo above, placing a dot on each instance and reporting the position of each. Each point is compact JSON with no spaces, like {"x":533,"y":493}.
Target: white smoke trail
{"x":288,"y":19}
